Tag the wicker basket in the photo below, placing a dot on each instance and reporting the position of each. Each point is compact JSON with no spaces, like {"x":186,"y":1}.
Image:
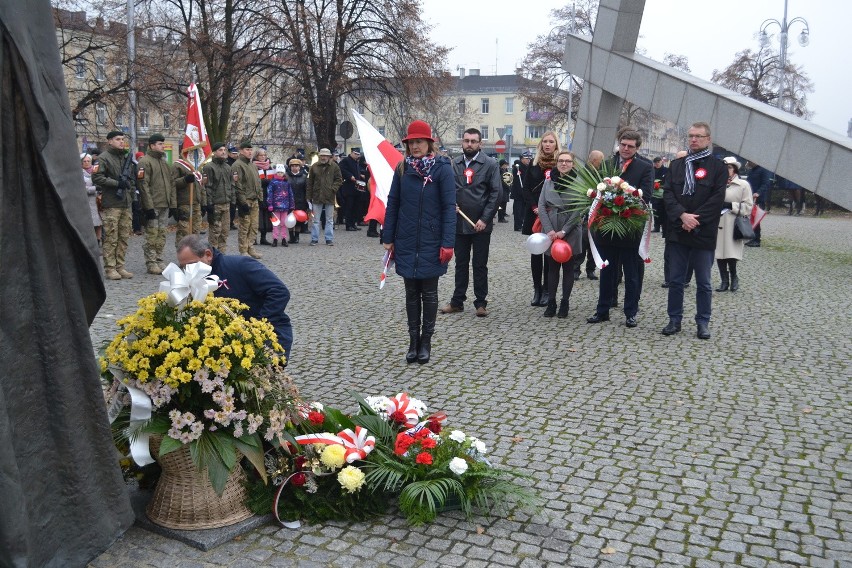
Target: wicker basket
{"x":184,"y":498}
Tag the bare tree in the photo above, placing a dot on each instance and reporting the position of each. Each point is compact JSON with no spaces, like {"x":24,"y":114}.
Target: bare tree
{"x":367,"y":50}
{"x":757,"y":75}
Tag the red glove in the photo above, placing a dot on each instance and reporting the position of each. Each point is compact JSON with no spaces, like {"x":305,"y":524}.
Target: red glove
{"x":445,"y":255}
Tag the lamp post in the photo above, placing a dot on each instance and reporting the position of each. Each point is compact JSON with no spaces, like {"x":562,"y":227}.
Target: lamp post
{"x":785,"y":28}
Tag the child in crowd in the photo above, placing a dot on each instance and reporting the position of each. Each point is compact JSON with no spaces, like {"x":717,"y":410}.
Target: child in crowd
{"x":281,"y":203}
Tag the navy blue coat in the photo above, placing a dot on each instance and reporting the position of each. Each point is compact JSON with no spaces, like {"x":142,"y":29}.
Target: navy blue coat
{"x":420,"y":219}
{"x":256,"y":286}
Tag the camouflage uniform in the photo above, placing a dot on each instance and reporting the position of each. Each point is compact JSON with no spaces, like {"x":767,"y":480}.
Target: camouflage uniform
{"x":156,"y":192}
{"x":249,"y":193}
{"x":116,"y":213}
{"x":180,"y":170}
{"x":219,"y":191}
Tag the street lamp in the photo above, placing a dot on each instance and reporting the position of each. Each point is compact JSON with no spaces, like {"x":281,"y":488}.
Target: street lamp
{"x":804,"y":40}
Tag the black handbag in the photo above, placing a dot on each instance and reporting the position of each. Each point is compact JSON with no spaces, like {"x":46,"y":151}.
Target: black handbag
{"x":742,"y":228}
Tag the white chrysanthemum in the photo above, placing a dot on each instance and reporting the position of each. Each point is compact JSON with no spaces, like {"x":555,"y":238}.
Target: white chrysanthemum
{"x":458,"y":466}
{"x":457,"y":436}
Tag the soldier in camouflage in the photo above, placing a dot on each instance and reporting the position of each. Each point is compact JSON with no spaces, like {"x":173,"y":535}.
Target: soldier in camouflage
{"x":220,"y":195}
{"x":249,"y":195}
{"x":158,"y":199}
{"x":117,"y":198}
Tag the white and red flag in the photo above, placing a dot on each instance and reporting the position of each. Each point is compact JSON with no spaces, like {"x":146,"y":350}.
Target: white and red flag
{"x":195,"y":135}
{"x":381,"y":158}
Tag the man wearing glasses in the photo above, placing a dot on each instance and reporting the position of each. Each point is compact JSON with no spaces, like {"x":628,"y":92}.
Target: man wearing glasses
{"x":623,"y":252}
{"x":694,"y":192}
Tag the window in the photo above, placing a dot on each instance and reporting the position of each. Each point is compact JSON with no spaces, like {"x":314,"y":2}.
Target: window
{"x":143,"y":117}
{"x":100,"y":113}
{"x":462,"y":107}
{"x":259,"y":98}
{"x":80,"y":68}
{"x":380,"y":108}
{"x":484,"y":107}
{"x":120,"y":118}
{"x":119,"y":74}
{"x":167,"y":120}
{"x":100,"y":69}
{"x":484,"y":130}
{"x":460,"y":131}
{"x":361,"y":108}
{"x":246,"y":126}
{"x":381,"y":130}
{"x":510,"y":105}
{"x":535,"y":131}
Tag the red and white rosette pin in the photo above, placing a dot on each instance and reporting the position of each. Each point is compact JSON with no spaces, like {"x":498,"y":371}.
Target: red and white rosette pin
{"x":468,"y":175}
{"x":547,"y":174}
{"x":700,"y":173}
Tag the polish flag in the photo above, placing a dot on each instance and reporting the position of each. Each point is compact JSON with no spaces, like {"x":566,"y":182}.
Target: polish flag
{"x":195,"y":135}
{"x":381,"y":158}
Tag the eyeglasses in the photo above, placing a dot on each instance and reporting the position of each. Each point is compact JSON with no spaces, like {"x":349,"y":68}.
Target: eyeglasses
{"x":691,"y":136}
{"x":564,"y":161}
{"x":628,"y":146}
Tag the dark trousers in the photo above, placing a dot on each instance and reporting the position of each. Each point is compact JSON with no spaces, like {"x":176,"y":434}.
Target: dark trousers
{"x":553,"y":268}
{"x":351,"y":209}
{"x":479,"y":243}
{"x":518,"y":213}
{"x":681,"y":257}
{"x":629,"y":260}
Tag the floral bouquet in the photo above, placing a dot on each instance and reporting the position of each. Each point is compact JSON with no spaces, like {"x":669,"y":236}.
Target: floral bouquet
{"x":211,"y":378}
{"x":389,"y":448}
{"x":658,"y":189}
{"x":615,"y":207}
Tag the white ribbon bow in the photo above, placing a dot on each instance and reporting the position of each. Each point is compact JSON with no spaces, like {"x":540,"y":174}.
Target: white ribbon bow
{"x":195,"y":281}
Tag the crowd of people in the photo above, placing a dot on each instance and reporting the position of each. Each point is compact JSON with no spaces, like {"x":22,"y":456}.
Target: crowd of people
{"x":438,"y":208}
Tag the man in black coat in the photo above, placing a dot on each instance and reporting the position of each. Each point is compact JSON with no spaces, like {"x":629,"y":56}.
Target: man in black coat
{"x":517,"y":193}
{"x":353,"y":175}
{"x":477,"y":189}
{"x":624,"y":251}
{"x":694,"y":193}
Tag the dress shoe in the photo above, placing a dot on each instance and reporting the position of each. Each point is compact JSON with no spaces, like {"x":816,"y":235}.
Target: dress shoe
{"x":351,"y":229}
{"x":451,"y":309}
{"x":672,"y":327}
{"x":372,"y":233}
{"x":597,"y":318}
{"x":753,"y":244}
{"x":481,"y":312}
{"x":357,"y":228}
{"x":591,"y":276}
{"x":664,"y":285}
{"x":631,"y":322}
{"x":703,"y":331}
{"x":264,"y":242}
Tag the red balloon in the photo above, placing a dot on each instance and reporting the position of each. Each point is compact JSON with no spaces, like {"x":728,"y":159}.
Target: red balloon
{"x":300,"y":215}
{"x":536,"y":228}
{"x":561,"y":251}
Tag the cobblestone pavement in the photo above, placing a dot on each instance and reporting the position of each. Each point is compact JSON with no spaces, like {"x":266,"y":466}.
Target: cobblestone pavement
{"x":668,"y":451}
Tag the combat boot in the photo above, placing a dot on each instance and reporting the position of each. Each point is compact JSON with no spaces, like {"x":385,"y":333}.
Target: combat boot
{"x":111,"y":274}
{"x":124,"y":273}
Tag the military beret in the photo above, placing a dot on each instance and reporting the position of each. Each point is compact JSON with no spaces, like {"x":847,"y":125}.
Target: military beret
{"x":245,"y":144}
{"x":154,"y":138}
{"x":113,"y":133}
{"x":217,"y":145}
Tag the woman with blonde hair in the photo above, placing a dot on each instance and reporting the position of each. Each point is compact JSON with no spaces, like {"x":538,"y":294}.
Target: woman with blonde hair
{"x":534,"y":178}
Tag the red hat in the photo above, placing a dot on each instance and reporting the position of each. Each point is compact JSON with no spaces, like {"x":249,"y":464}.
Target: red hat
{"x":419,"y":129}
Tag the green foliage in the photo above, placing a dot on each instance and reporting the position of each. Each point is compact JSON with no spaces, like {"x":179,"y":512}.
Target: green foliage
{"x":421,"y":500}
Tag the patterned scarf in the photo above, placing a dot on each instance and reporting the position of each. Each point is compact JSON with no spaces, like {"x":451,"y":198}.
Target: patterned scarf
{"x":422,"y":166}
{"x":547,"y":162}
{"x":689,"y":186}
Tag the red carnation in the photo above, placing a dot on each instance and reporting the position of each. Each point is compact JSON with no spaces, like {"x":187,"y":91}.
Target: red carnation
{"x":422,"y":433}
{"x":298,"y":479}
{"x":403,"y":441}
{"x":434,"y":426}
{"x":635,"y":193}
{"x":398,"y":417}
{"x":618,"y":201}
{"x":626,"y":213}
{"x":316,"y":418}
{"x":427,"y":443}
{"x":424,"y":458}
{"x":605,"y":212}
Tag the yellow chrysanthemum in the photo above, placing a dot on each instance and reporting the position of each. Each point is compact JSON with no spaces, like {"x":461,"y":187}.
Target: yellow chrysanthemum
{"x":333,"y":456}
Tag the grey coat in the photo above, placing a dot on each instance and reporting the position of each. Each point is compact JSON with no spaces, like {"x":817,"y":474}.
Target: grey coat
{"x":552,"y":210}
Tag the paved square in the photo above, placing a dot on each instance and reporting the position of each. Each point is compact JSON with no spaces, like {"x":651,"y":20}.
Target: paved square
{"x":663,"y":451}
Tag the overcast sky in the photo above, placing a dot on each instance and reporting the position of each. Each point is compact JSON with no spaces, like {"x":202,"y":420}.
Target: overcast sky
{"x":708,"y":33}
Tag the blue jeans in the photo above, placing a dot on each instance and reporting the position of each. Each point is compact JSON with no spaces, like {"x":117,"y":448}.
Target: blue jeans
{"x":329,"y":222}
{"x":680,"y":259}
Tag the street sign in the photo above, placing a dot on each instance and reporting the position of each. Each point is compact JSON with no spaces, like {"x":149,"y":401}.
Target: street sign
{"x":346,"y":129}
{"x":500,"y":146}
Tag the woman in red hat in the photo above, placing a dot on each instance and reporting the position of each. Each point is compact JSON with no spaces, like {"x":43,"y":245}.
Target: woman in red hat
{"x":420,"y":230}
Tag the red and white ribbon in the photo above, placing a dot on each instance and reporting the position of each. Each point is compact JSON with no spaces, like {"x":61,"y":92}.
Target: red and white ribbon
{"x":593,"y":211}
{"x":402,"y":403}
{"x":358,"y":443}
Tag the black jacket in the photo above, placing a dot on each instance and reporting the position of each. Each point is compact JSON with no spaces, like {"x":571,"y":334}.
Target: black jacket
{"x":706,"y":201}
{"x":534,"y":177}
{"x":477,"y":199}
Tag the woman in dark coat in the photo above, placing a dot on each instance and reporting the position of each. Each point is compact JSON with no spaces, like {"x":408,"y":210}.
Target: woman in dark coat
{"x":263,"y":165}
{"x":543,"y":163}
{"x":420,"y":231}
{"x":298,"y":183}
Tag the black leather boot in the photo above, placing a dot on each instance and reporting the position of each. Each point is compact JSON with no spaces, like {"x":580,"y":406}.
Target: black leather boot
{"x":430,"y":311}
{"x":412,"y":311}
{"x":551,"y":309}
{"x":545,"y":298}
{"x":563,"y":309}
{"x":735,"y":280}
{"x":536,"y":299}
{"x":723,"y":272}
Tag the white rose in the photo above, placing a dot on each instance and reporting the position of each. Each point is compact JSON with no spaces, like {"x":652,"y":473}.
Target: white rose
{"x":457,"y":436}
{"x":640,"y":192}
{"x":458,"y":466}
{"x":590,"y":193}
{"x":601,"y":186}
{"x":624,"y":185}
{"x":615,"y":181}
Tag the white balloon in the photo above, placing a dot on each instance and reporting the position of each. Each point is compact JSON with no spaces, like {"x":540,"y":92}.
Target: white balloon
{"x":290,"y":221}
{"x":538,"y":243}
